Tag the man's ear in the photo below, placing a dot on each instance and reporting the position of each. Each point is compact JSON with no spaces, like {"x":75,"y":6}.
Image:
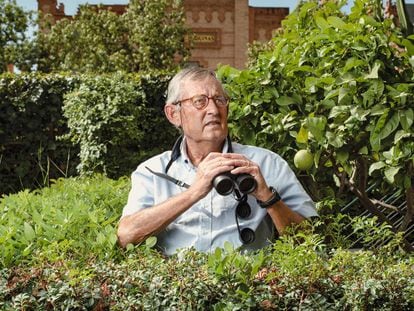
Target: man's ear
{"x":173,"y":114}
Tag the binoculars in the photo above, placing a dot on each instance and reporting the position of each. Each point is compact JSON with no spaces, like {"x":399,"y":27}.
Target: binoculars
{"x":226,"y":183}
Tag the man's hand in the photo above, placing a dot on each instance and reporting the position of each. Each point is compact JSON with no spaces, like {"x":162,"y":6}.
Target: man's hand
{"x":217,"y":163}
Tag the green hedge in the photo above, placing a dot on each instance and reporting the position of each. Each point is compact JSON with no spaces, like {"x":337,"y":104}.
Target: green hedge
{"x":59,"y":251}
{"x":30,"y":120}
{"x":111,"y":122}
{"x":118,"y":120}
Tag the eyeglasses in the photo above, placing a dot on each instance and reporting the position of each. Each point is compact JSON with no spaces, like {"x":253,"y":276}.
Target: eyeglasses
{"x":201,"y":101}
{"x":243,"y":211}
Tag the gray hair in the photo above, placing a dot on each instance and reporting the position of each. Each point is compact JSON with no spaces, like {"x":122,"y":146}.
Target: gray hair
{"x":194,"y":73}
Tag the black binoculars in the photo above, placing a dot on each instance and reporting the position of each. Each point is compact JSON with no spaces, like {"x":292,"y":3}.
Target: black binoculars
{"x":226,"y":183}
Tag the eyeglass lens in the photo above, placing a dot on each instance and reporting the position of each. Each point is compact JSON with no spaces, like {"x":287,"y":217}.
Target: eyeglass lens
{"x":200,"y":101}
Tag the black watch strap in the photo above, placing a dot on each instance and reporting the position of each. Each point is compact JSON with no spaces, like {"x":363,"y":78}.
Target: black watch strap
{"x":273,"y":199}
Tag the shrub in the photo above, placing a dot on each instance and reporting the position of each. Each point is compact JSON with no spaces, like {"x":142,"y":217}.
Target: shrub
{"x":118,"y":121}
{"x":30,"y":121}
{"x":74,"y":217}
{"x":112,"y":123}
{"x":341,"y":87}
{"x":59,"y":251}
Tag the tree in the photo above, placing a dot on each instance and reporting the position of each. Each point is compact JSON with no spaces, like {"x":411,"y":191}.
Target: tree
{"x":340,"y":86}
{"x":150,"y":35}
{"x":15,"y":47}
{"x":157,"y":33}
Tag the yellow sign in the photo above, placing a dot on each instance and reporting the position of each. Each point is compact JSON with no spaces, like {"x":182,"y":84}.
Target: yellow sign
{"x":204,"y":38}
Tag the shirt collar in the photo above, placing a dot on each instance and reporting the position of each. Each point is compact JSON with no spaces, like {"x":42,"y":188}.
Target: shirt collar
{"x":183,"y":149}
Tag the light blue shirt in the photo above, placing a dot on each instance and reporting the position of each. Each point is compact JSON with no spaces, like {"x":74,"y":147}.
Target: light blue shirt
{"x":211,"y":222}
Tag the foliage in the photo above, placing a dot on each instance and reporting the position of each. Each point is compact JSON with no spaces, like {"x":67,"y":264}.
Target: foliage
{"x":115,"y":115}
{"x":14,"y":44}
{"x":30,"y":119}
{"x":58,"y":247}
{"x":105,"y":116}
{"x":97,"y":40}
{"x":340,"y":86}
{"x":73,"y":218}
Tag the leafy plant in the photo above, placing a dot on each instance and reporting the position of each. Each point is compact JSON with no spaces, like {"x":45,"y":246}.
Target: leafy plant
{"x":341,"y":87}
{"x":15,"y":47}
{"x":115,"y":115}
{"x":71,"y":218}
{"x":101,"y":41}
{"x":59,"y":251}
{"x":31,"y":118}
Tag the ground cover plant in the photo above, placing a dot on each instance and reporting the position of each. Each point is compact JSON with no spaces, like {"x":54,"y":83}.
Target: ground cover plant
{"x":58,"y":251}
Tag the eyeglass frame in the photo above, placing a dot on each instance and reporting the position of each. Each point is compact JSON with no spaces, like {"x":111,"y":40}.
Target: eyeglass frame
{"x":214,"y":98}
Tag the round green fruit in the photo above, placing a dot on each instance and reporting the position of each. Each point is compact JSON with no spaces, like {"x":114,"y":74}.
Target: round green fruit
{"x":303,"y":160}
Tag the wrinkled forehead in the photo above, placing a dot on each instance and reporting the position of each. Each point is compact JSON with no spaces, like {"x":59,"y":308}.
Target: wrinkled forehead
{"x":208,"y":85}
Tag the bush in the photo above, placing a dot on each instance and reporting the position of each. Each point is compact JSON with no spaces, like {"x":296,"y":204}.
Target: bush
{"x":31,"y":119}
{"x":59,"y":251}
{"x":341,"y":87}
{"x":74,"y":217}
{"x":118,"y":121}
{"x":112,"y":123}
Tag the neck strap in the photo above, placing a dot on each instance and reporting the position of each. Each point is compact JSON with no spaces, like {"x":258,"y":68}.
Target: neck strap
{"x":176,"y":151}
{"x":175,"y":154}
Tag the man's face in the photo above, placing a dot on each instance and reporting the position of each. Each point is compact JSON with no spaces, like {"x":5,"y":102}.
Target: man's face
{"x":209,"y":123}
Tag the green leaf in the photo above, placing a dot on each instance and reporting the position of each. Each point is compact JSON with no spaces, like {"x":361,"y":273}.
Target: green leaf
{"x":374,"y":71}
{"x":228,"y":247}
{"x":390,"y":126}
{"x":390,"y":173}
{"x":316,"y":126}
{"x":151,"y":241}
{"x":343,"y":97}
{"x":285,"y":101}
{"x":336,"y":22}
{"x":29,"y":233}
{"x":321,"y":22}
{"x":375,"y":166}
{"x":342,"y":156}
{"x":302,"y":137}
{"x":406,"y":118}
{"x":334,"y":140}
{"x":375,"y":137}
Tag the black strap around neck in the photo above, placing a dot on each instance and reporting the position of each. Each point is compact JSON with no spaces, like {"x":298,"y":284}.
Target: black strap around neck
{"x":176,"y":151}
{"x":175,"y":154}
{"x":169,"y":178}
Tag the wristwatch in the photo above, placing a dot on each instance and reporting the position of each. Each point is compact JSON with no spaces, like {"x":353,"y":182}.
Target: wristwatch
{"x":273,"y":199}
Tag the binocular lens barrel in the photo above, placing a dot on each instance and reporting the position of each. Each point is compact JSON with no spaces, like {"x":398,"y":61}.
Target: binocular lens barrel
{"x":247,"y":236}
{"x":246,"y":183}
{"x":225,"y":183}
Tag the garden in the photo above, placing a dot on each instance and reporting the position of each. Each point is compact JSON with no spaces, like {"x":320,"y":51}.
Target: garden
{"x":337,"y":87}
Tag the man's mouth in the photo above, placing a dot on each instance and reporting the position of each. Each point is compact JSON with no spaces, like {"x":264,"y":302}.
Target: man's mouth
{"x":213,"y":123}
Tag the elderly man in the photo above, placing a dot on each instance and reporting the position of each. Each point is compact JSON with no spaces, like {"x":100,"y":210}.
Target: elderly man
{"x":173,"y":197}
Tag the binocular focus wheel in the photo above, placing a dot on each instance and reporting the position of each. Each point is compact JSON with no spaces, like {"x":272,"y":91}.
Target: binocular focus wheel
{"x":247,"y":235}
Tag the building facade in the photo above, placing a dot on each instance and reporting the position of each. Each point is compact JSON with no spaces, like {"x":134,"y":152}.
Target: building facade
{"x":222,"y":28}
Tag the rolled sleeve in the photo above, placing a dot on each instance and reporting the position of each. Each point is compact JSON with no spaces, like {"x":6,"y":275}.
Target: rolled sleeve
{"x":141,"y":194}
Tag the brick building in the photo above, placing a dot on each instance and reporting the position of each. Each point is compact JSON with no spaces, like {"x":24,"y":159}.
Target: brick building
{"x":222,"y":28}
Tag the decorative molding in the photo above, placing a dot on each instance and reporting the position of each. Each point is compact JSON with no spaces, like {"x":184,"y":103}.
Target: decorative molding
{"x":208,"y":7}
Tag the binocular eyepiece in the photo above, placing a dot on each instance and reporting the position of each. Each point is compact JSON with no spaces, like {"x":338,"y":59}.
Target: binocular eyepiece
{"x":227,"y":182}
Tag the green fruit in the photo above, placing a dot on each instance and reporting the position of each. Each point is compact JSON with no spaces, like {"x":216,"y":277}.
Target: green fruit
{"x":303,"y":160}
